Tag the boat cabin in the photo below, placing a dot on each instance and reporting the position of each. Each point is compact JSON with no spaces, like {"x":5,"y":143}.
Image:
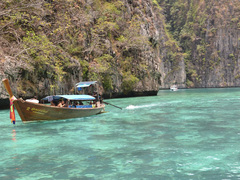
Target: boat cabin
{"x":73,"y":101}
{"x":77,"y":100}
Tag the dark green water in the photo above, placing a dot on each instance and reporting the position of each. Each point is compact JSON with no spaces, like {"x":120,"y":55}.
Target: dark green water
{"x":188,"y":134}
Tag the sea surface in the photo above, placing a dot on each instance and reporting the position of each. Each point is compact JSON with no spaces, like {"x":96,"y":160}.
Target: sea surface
{"x":187,"y":134}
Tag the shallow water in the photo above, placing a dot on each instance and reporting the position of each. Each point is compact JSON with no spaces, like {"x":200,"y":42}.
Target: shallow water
{"x":187,"y":134}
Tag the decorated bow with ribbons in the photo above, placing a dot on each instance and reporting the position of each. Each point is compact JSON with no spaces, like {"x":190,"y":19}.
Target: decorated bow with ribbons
{"x":12,"y":114}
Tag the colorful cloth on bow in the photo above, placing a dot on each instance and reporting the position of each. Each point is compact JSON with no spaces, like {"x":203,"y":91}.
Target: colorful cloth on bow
{"x":12,"y":114}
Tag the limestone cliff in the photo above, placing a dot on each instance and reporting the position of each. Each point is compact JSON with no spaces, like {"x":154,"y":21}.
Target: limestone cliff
{"x":209,"y":33}
{"x":48,"y":46}
{"x":132,"y":47}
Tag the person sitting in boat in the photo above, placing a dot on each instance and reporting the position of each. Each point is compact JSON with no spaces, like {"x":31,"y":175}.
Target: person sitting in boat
{"x":69,"y":103}
{"x":52,"y":103}
{"x":66,"y":103}
{"x":74,"y":104}
{"x":61,"y":103}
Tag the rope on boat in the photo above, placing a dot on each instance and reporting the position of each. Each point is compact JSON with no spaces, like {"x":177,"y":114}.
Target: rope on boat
{"x":112,"y":105}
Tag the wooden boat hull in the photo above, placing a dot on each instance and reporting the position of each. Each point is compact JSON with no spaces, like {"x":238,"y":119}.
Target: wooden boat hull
{"x":29,"y":111}
{"x":39,"y":112}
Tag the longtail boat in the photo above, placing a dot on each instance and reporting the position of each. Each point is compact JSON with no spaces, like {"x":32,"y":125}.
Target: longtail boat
{"x":31,"y":111}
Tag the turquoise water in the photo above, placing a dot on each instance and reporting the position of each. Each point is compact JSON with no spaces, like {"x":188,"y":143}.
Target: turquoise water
{"x":187,"y":134}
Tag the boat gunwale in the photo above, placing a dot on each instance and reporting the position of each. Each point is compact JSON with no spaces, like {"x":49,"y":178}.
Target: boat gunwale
{"x":49,"y":106}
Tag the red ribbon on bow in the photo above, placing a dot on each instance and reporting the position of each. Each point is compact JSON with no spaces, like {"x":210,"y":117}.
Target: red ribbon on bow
{"x":12,"y":114}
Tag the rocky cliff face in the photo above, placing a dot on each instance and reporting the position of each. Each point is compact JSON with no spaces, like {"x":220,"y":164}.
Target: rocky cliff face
{"x":132,"y":47}
{"x":223,"y":39}
{"x":163,"y":57}
{"x":48,"y":46}
{"x":218,"y":63}
{"x":208,"y":32}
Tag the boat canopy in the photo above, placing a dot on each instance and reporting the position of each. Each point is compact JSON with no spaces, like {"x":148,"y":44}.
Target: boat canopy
{"x":85,"y":84}
{"x":81,"y":97}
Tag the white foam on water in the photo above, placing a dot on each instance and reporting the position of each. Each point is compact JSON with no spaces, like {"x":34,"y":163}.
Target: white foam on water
{"x":141,"y":106}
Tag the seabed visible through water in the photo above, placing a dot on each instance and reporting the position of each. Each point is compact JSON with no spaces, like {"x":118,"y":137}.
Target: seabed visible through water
{"x":187,"y":134}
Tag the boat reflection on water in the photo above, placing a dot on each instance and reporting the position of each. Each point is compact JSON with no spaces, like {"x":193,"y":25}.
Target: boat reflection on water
{"x":14,"y":135}
{"x":15,"y":156}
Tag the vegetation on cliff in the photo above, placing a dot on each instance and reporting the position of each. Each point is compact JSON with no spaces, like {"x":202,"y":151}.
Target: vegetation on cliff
{"x":127,"y":45}
{"x":57,"y":41}
{"x":207,"y":31}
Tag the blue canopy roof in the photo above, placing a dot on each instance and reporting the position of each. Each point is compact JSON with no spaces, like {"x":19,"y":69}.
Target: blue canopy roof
{"x":85,"y":84}
{"x":81,"y":97}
